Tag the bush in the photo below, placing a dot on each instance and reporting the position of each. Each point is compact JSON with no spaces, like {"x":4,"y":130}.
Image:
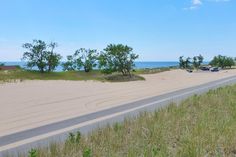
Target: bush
{"x":74,"y":138}
{"x":87,"y":152}
{"x":33,"y":153}
{"x":122,"y":78}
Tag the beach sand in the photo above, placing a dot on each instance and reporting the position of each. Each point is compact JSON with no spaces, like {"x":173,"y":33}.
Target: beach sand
{"x":31,"y":104}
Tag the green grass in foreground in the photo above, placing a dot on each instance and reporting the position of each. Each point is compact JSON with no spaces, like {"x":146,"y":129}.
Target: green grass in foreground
{"x":16,"y":75}
{"x":200,"y":126}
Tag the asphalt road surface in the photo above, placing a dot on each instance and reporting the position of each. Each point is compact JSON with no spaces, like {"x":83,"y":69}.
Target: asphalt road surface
{"x":55,"y":132}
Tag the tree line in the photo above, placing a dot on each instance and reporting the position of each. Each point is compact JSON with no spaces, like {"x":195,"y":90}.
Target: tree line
{"x":223,"y":61}
{"x":196,"y":62}
{"x":114,"y":58}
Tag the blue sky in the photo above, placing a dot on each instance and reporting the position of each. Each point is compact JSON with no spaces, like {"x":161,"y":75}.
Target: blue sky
{"x":158,"y":30}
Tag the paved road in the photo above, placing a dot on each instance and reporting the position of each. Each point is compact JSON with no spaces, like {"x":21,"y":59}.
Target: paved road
{"x":25,"y":140}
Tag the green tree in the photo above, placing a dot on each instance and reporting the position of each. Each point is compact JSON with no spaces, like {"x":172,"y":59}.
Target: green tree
{"x":36,"y":54}
{"x":117,"y":58}
{"x":184,"y":63}
{"x":188,"y":62}
{"x":82,"y":58}
{"x":222,"y":61}
{"x":200,"y":59}
{"x":69,"y":65}
{"x":87,"y":58}
{"x":53,"y":58}
{"x":229,"y":62}
{"x":197,"y":61}
{"x":217,"y":61}
{"x":39,"y":56}
{"x":181,"y":62}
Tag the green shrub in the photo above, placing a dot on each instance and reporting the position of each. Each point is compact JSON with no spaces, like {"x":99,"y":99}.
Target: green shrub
{"x":78,"y":137}
{"x":87,"y":152}
{"x":74,"y":138}
{"x":33,"y":153}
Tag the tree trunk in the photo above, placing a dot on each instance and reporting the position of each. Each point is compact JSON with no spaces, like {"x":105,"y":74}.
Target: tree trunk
{"x":123,"y":73}
{"x":130,"y":74}
{"x":42,"y":70}
{"x":86,"y":70}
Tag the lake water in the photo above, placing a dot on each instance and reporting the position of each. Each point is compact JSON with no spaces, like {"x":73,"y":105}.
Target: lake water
{"x":138,"y":65}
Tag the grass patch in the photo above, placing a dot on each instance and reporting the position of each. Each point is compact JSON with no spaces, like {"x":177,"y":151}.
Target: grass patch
{"x":121,"y":78}
{"x":200,"y":126}
{"x":152,"y":70}
{"x":12,"y":75}
{"x":21,"y":75}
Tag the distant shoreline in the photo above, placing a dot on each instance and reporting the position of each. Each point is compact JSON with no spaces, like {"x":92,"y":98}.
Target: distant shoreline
{"x":138,"y":65}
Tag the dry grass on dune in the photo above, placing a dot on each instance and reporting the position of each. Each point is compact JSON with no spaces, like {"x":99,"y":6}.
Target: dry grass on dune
{"x":200,"y":126}
{"x":21,"y":75}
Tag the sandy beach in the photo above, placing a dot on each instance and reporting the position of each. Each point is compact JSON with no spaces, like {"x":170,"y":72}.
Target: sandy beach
{"x":31,"y":104}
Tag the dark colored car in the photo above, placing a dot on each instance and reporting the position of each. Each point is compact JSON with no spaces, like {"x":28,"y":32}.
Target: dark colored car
{"x":214,"y":69}
{"x":189,"y":70}
{"x":205,"y":68}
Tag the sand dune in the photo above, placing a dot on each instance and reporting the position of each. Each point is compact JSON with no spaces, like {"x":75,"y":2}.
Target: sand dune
{"x":31,"y":104}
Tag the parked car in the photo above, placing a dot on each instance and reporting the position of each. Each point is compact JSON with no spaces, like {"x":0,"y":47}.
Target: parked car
{"x":189,"y":70}
{"x":205,"y":68}
{"x":214,"y":69}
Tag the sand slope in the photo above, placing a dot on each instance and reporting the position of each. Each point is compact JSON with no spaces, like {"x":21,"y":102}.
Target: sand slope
{"x":35,"y":103}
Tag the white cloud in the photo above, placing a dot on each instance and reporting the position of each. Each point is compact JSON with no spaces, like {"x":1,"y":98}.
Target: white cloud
{"x":194,"y":5}
{"x":197,"y":3}
{"x":219,"y":0}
